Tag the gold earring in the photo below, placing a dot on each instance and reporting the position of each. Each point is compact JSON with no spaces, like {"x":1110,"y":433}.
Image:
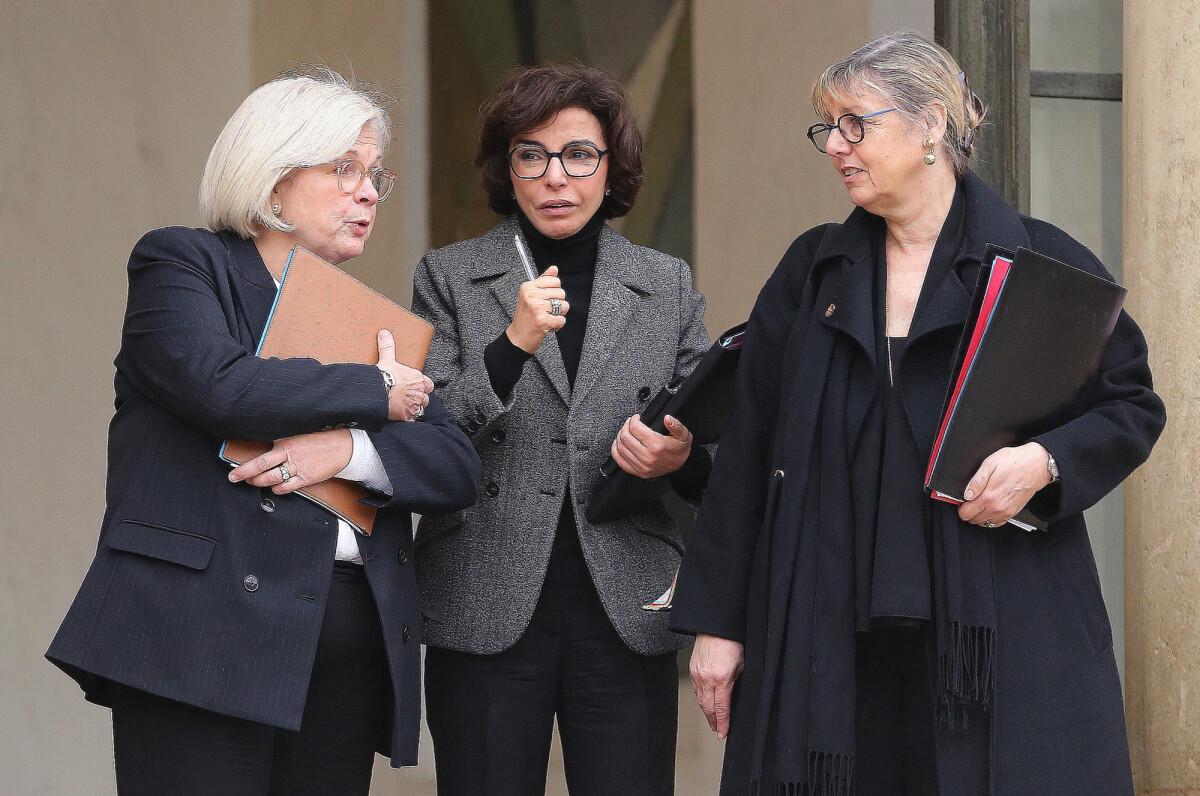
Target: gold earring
{"x":930,"y":158}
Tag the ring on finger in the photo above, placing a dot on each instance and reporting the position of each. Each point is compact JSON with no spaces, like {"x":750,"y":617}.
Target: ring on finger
{"x":989,"y":524}
{"x":418,"y":412}
{"x":555,"y":306}
{"x":283,"y":471}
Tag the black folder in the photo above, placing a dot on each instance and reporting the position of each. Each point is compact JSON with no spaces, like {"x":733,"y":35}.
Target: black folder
{"x":1036,"y":333}
{"x":701,"y":401}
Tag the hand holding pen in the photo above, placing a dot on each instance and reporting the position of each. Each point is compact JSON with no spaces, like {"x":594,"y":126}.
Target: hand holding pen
{"x":541,"y":305}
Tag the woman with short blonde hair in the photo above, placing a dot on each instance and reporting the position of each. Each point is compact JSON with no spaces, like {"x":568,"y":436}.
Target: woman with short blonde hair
{"x":893,"y":644}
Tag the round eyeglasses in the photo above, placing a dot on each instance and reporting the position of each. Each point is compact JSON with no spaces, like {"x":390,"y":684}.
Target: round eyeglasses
{"x":351,"y":173}
{"x":849,"y":125}
{"x":530,"y":161}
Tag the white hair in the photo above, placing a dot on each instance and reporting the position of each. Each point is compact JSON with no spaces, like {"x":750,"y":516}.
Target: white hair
{"x":296,"y":121}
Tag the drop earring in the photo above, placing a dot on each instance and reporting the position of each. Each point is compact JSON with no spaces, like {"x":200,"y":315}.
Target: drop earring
{"x":930,"y":158}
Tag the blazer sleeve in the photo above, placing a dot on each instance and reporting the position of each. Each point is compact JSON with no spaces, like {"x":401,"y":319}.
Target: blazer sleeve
{"x":1123,"y":417}
{"x":460,"y":377}
{"x":432,"y":465}
{"x":179,"y":349}
{"x":712,"y":589}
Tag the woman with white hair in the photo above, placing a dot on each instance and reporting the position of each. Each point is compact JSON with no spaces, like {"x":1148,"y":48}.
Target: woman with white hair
{"x":247,"y":640}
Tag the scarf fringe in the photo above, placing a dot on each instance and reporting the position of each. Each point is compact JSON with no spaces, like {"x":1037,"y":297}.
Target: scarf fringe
{"x":828,"y":775}
{"x":967,"y":675}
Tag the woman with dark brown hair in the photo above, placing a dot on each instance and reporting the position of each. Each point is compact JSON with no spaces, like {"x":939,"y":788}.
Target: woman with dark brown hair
{"x":536,"y":612}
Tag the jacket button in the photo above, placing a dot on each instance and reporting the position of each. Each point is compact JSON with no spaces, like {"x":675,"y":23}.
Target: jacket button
{"x":267,"y":505}
{"x":402,"y":555}
{"x":644,"y":394}
{"x":327,"y":427}
{"x":250,"y":582}
{"x":498,"y":436}
{"x":480,"y":418}
{"x":404,"y":634}
{"x":352,"y":424}
{"x":492,"y":488}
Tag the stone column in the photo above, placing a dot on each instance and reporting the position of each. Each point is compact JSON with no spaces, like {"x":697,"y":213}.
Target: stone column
{"x":1162,"y":237}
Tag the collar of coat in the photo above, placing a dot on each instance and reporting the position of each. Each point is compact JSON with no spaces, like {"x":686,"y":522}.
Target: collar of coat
{"x":615,"y":257}
{"x":617,"y":289}
{"x":843,"y":259}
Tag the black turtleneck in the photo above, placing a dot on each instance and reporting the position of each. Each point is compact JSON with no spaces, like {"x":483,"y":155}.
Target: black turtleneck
{"x":575,"y":257}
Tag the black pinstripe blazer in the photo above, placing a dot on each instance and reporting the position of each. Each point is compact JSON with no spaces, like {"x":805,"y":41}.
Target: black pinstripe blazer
{"x":212,"y":593}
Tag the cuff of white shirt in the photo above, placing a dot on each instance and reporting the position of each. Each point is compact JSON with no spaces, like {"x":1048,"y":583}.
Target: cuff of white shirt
{"x":365,"y":466}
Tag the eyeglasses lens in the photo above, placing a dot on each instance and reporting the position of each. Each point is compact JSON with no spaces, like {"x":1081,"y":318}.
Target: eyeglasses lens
{"x":383,"y":180}
{"x":351,"y":176}
{"x":851,"y":128}
{"x":531,"y":162}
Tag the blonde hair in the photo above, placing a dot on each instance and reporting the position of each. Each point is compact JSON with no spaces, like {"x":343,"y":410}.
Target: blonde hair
{"x":913,"y":74}
{"x":304,"y":118}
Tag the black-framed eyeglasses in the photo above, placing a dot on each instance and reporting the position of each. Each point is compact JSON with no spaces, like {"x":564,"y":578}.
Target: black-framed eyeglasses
{"x":850,"y":125}
{"x":351,"y":173}
{"x":530,"y":161}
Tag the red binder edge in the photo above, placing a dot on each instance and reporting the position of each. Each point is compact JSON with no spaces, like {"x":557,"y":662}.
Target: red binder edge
{"x":999,"y":274}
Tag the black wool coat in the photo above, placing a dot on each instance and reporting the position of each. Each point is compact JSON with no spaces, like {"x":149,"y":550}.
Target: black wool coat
{"x":1057,"y":720}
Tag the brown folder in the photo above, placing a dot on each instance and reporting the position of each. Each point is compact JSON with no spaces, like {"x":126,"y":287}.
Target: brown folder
{"x":324,"y":313}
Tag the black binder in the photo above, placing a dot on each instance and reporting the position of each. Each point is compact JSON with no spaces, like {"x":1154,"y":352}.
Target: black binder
{"x":700,"y":401}
{"x":1036,"y":333}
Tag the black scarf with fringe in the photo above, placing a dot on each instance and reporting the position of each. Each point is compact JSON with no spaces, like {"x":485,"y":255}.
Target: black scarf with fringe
{"x":851,"y":540}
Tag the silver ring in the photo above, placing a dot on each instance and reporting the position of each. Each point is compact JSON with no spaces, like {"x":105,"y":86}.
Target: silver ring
{"x":989,"y":524}
{"x":284,"y":472}
{"x":418,"y":412}
{"x":555,"y":307}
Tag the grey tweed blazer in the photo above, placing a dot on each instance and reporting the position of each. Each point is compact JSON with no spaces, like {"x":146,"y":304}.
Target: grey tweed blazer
{"x":480,"y":571}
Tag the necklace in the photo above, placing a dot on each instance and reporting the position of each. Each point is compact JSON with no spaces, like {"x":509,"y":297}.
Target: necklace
{"x":891,"y":378}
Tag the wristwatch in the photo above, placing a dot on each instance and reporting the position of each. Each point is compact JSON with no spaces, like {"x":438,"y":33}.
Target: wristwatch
{"x":389,"y":381}
{"x":1052,"y":466}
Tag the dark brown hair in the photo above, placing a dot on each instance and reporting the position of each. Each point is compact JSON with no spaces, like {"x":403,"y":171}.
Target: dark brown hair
{"x":529,"y":97}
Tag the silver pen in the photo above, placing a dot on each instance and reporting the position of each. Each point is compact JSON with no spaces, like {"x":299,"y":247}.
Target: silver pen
{"x":526,"y":260}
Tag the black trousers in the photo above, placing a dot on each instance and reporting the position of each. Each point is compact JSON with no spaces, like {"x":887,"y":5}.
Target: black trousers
{"x":492,"y":716}
{"x":898,"y":751}
{"x":162,"y":746}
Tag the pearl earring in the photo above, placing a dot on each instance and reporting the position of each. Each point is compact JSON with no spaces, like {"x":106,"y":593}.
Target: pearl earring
{"x":275,"y":208}
{"x":930,"y":158}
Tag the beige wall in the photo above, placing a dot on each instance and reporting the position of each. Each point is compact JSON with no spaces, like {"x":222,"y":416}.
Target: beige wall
{"x":1162,"y":550}
{"x":759,"y":182}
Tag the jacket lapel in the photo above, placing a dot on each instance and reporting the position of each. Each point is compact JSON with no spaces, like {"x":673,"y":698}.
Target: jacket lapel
{"x":850,"y":307}
{"x":256,"y":289}
{"x":615,"y":297}
{"x":507,"y":275}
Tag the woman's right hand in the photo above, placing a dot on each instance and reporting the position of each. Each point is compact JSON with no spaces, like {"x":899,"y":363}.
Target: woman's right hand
{"x":531,"y":318}
{"x":716,"y":665}
{"x":412,"y":386}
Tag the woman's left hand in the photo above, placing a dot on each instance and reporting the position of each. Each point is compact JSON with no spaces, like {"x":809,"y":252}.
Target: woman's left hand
{"x":1005,"y":482}
{"x":306,"y":460}
{"x":641,"y":451}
